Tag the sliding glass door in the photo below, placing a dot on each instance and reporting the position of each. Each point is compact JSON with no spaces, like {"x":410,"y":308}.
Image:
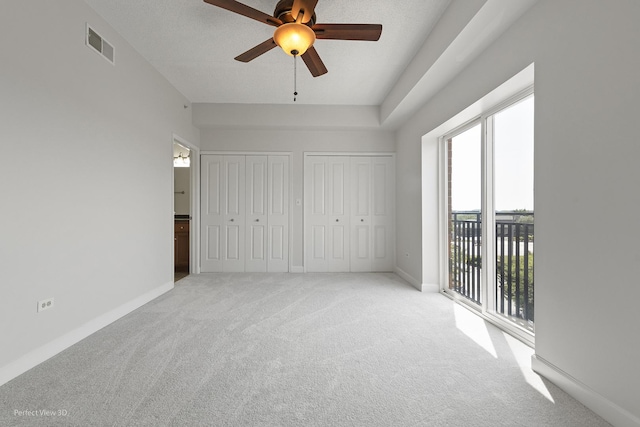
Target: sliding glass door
{"x":464,"y":158}
{"x":512,"y":130}
{"x":489,"y":220}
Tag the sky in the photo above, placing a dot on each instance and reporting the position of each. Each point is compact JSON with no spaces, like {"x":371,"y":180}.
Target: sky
{"x":513,"y":161}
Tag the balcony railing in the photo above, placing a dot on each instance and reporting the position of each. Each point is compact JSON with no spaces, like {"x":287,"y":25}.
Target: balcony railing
{"x":513,"y":285}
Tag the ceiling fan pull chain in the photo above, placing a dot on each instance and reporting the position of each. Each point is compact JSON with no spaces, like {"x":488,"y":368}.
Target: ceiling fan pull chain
{"x":295,"y":80}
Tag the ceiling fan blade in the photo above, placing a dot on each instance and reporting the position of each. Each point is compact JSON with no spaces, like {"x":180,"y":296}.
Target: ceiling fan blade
{"x":256,"y":51}
{"x":313,"y":62}
{"x":244,"y":10}
{"x":366,"y":32}
{"x":307,"y":6}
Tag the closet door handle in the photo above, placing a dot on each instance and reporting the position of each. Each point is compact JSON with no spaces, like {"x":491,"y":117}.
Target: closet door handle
{"x":231,"y":220}
{"x":361,"y":220}
{"x":337,"y":220}
{"x":257,"y":220}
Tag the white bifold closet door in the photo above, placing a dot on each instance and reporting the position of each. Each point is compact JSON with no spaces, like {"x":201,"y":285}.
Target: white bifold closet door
{"x":256,"y":209}
{"x":372,"y":213}
{"x":223,"y":213}
{"x":327,"y":213}
{"x":245,"y":216}
{"x":349,"y":213}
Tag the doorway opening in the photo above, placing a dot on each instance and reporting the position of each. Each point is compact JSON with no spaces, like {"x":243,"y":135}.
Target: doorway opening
{"x":181,"y":209}
{"x":185,"y":208}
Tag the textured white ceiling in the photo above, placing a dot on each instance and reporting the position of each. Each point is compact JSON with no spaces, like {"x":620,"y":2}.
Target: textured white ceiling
{"x":193,"y":45}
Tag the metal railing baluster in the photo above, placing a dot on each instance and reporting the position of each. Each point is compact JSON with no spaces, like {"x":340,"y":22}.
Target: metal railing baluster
{"x":517,"y":281}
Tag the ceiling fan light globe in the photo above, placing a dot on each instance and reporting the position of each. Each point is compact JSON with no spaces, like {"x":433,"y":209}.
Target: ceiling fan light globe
{"x":294,"y":38}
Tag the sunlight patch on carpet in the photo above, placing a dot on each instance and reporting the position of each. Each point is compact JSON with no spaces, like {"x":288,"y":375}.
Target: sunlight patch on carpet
{"x":522,"y":354}
{"x":474,"y":327}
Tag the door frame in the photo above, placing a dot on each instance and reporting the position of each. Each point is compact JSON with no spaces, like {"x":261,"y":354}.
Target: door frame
{"x":194,"y":189}
{"x":289,"y":154}
{"x":305,"y":156}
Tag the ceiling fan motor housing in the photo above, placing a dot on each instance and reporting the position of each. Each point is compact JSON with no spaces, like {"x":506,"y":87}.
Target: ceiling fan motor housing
{"x":283,"y":13}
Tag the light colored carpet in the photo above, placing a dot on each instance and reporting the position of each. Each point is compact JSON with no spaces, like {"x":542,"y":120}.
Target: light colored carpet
{"x":293,"y":350}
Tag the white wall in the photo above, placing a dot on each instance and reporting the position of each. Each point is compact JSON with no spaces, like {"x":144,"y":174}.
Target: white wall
{"x":296,"y":141}
{"x":586,"y":269}
{"x":86,"y":177}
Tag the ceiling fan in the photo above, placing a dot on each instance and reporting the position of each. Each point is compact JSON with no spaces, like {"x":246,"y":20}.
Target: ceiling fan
{"x":296,"y":30}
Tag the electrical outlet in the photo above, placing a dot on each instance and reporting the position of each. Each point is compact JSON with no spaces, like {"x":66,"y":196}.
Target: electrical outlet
{"x":45,"y":304}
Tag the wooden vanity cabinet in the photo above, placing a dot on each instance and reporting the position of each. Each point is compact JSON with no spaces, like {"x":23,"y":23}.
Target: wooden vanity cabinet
{"x":181,"y":245}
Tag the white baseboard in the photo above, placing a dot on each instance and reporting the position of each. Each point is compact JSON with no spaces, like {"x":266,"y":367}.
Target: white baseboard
{"x":296,"y":269}
{"x":602,"y":406}
{"x":422,"y":287}
{"x":431,"y":287}
{"x":39,"y":355}
{"x":409,"y":278}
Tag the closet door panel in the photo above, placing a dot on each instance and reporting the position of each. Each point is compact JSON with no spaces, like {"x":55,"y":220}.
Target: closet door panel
{"x":318,"y":244}
{"x":360,"y":214}
{"x":213,"y":242}
{"x":380,"y":243}
{"x":361,"y":243}
{"x":278,"y":248}
{"x":338,"y":238}
{"x":212,"y":213}
{"x":233,"y":243}
{"x":381,"y":179}
{"x":234,"y":188}
{"x":326,"y":214}
{"x":256,"y":247}
{"x":338,"y":214}
{"x":315,"y":206}
{"x":383,"y":214}
{"x":256,"y":212}
{"x":278,"y":214}
{"x":234,"y":218}
{"x":361,"y":185}
{"x":318,"y":186}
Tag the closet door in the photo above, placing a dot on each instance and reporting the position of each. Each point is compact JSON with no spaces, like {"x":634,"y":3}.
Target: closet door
{"x":349,"y":213}
{"x":278,"y":214}
{"x":223,"y":213}
{"x":245,"y":213}
{"x":372,"y":218}
{"x":327,"y":213}
{"x":211,"y":217}
{"x":256,"y":208}
{"x":361,"y":221}
{"x":338,"y":214}
{"x":382,"y":217}
{"x":315,"y":206}
{"x":234,"y":213}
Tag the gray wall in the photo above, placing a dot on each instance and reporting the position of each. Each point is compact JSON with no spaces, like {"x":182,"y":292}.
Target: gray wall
{"x":86,"y":176}
{"x":586,"y":269}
